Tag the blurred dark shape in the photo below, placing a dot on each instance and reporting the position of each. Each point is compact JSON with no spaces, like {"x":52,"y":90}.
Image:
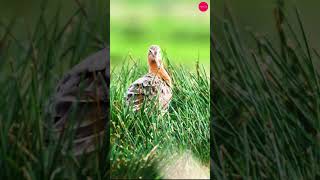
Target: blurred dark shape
{"x":80,"y":104}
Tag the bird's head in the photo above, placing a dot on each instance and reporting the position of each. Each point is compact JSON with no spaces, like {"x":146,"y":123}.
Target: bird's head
{"x":155,"y":57}
{"x":155,"y":63}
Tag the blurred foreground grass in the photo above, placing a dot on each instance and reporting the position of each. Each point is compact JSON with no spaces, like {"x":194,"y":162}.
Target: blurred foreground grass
{"x":141,"y":141}
{"x":266,"y":102}
{"x":30,"y":68}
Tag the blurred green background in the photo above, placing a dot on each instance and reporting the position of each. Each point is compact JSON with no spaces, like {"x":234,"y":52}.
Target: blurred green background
{"x":25,"y":14}
{"x":257,"y":16}
{"x":22,"y":18}
{"x":181,"y":30}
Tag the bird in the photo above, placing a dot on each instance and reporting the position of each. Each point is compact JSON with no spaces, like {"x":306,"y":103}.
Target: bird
{"x":80,"y":102}
{"x":154,"y":86}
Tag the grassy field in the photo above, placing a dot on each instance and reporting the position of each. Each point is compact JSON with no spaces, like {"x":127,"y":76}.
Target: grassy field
{"x":141,"y":141}
{"x":266,"y":101}
{"x":182,"y":32}
{"x":33,"y":59}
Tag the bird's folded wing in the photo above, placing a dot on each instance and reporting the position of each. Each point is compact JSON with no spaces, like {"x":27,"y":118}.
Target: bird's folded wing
{"x":80,"y":102}
{"x":143,"y":89}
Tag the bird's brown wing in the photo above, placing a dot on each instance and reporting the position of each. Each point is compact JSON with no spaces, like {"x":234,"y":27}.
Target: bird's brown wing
{"x":146,"y":89}
{"x":79,"y":104}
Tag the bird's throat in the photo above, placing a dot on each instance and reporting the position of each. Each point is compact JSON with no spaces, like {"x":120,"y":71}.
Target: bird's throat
{"x":160,"y":72}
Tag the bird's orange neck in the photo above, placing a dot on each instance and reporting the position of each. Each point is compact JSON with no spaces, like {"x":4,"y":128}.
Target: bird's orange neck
{"x":160,"y":72}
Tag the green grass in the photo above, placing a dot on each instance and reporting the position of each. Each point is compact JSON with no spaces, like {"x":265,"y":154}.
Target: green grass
{"x":266,"y":97}
{"x":29,"y":71}
{"x":134,"y":135}
{"x":265,"y":100}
